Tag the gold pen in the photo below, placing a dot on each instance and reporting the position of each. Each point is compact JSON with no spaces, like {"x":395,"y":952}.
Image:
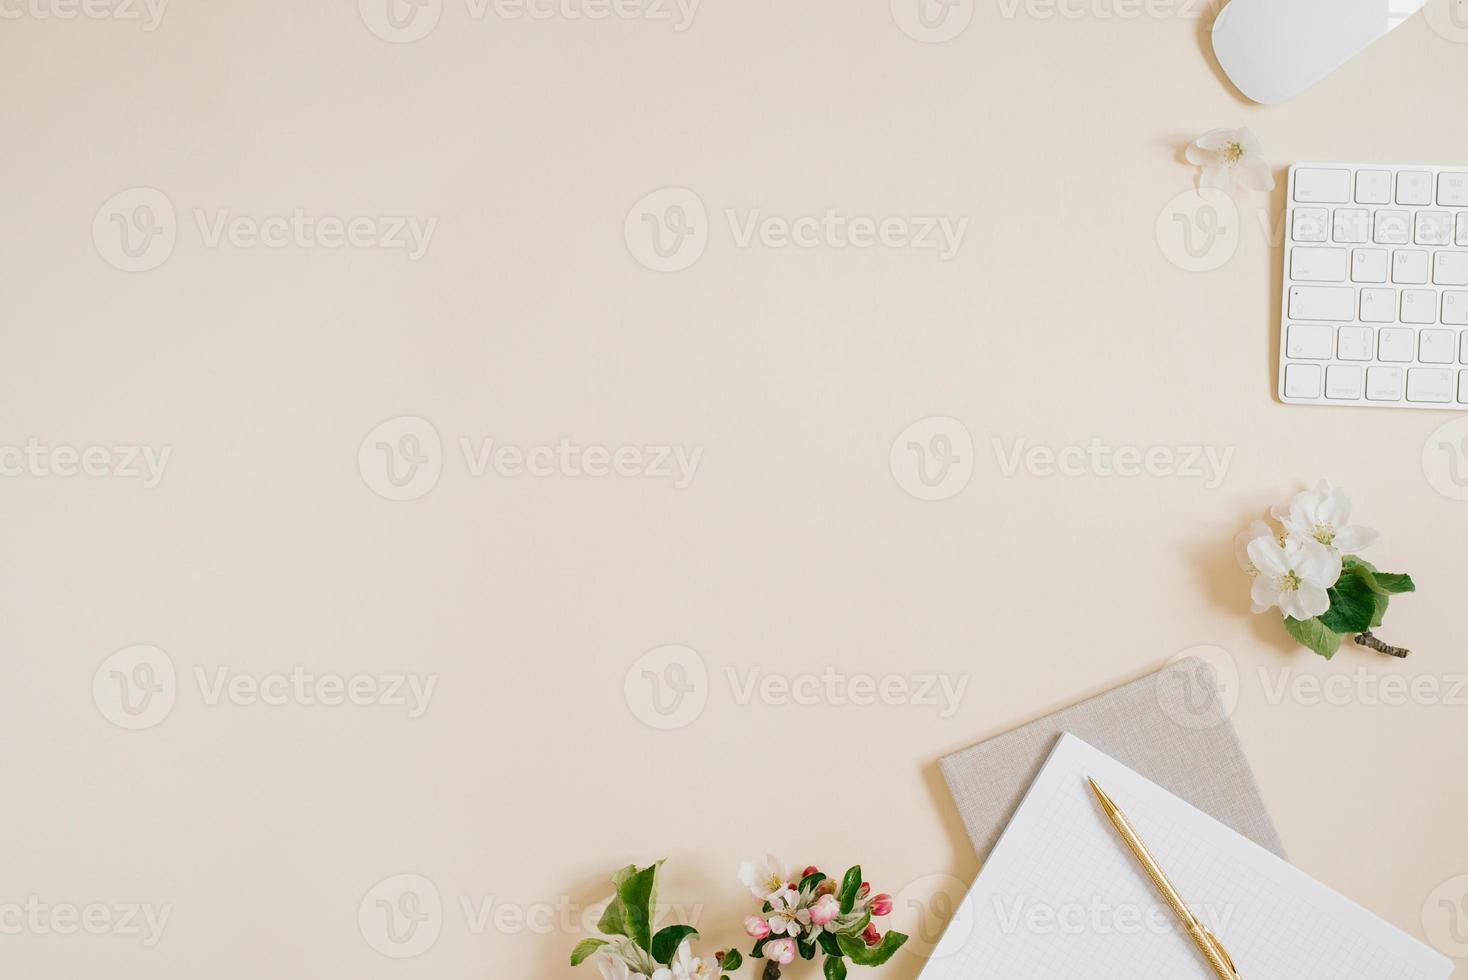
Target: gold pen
{"x":1208,"y":944}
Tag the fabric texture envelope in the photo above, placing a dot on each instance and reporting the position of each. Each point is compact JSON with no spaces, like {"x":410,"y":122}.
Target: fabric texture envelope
{"x":1171,"y":727}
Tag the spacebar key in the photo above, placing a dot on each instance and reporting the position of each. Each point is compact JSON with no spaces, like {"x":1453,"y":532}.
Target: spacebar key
{"x":1322,"y":303}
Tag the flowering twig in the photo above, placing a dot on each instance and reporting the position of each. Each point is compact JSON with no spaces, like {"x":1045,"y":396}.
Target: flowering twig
{"x":1369,"y":641}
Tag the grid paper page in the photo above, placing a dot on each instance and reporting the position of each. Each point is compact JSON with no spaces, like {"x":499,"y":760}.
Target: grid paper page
{"x":1061,"y":898}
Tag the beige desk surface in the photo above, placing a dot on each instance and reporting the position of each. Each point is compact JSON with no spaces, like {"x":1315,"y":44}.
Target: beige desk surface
{"x":531,"y":600}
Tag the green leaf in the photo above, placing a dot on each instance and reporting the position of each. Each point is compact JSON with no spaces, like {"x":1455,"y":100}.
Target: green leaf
{"x":1352,"y":603}
{"x":807,"y":949}
{"x":850,"y":884}
{"x":1394,"y":582}
{"x":613,"y":921}
{"x":1314,"y":634}
{"x":639,"y":894}
{"x":851,"y":924}
{"x":829,"y":944}
{"x":834,"y":968}
{"x":584,"y":949}
{"x":759,"y":948}
{"x":665,"y":943}
{"x":810,"y":881}
{"x":638,"y":959}
{"x":732,"y":960}
{"x":863,"y":955}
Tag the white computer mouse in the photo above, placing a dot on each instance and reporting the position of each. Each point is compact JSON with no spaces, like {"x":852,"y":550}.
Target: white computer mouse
{"x":1275,"y":49}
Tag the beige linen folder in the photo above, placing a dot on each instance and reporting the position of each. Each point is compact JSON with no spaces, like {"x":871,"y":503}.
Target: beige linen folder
{"x":1171,"y":727}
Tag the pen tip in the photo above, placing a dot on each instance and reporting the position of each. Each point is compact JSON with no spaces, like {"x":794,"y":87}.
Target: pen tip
{"x":1105,"y":800}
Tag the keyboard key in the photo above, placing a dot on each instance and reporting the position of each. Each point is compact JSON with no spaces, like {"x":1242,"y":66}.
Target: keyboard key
{"x":1414,"y":187}
{"x":1373,"y":187}
{"x":1310,"y":224}
{"x":1325,"y":264}
{"x":1409,"y":266}
{"x":1463,"y":387}
{"x":1437,"y":346}
{"x":1392,"y":227}
{"x":1455,"y":309}
{"x":1461,"y":238}
{"x":1463,"y":347}
{"x":1434,"y":228}
{"x":1302,"y":380}
{"x":1343,"y":381}
{"x":1452,"y":190}
{"x":1357,"y":343}
{"x":1310,"y":341}
{"x":1368,"y":265}
{"x":1450,"y":268}
{"x":1419,"y":306}
{"x":1377,"y":306}
{"x":1322,"y":303}
{"x":1350,"y":225}
{"x":1384,"y":384}
{"x":1323,"y":186}
{"x":1430,"y":385}
{"x":1395,"y":344}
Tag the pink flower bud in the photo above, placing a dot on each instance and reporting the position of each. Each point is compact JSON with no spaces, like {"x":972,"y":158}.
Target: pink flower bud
{"x":825,"y":909}
{"x":756,"y":927}
{"x":810,"y":870}
{"x":871,"y":936}
{"x":782,"y":951}
{"x":864,"y":890}
{"x":826,"y":887}
{"x":882,"y":905}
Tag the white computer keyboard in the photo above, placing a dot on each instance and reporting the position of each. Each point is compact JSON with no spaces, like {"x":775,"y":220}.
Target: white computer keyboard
{"x":1375,"y":287}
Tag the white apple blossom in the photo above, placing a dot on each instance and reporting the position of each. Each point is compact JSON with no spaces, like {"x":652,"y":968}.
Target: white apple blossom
{"x":765,"y":880}
{"x":614,"y":968}
{"x":1258,"y":529}
{"x":1324,"y":515}
{"x":1294,"y":576}
{"x":1230,"y":158}
{"x":787,"y":916}
{"x":686,"y":966}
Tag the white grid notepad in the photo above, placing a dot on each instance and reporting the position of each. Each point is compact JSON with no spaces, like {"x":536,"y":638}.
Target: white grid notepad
{"x":1061,"y":898}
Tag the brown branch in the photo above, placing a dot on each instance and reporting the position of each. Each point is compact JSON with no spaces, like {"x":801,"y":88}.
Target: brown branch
{"x":772,"y":970}
{"x":1371,"y":642}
